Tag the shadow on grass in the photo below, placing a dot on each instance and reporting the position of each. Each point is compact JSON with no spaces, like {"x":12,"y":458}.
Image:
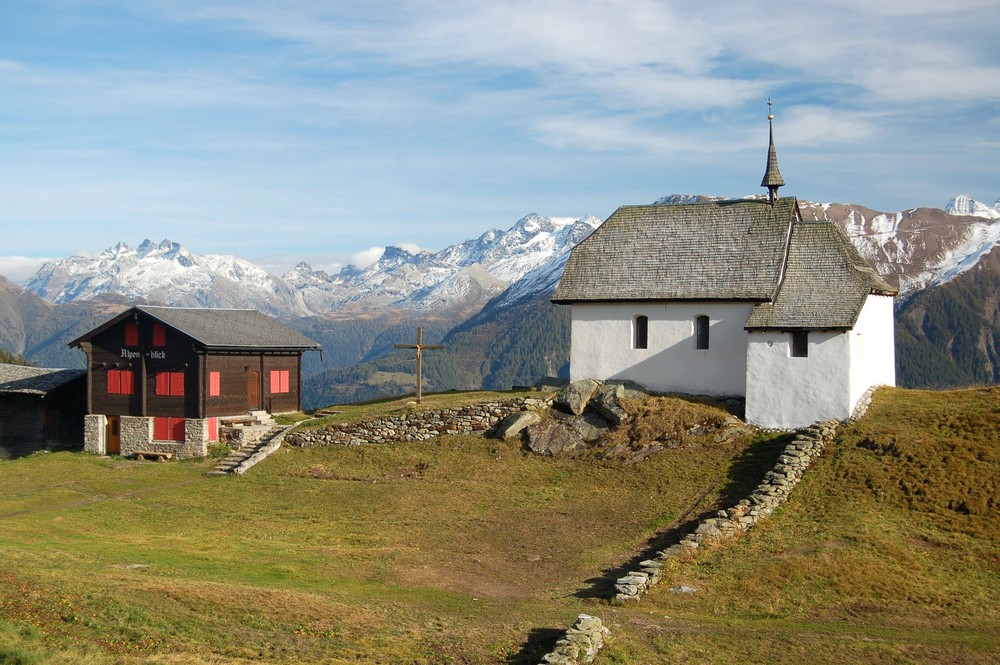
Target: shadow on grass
{"x":540,"y":642}
{"x":745,"y":472}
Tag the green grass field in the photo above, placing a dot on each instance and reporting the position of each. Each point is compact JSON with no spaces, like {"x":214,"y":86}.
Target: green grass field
{"x":465,"y":550}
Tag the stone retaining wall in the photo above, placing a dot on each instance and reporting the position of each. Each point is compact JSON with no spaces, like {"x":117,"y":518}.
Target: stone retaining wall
{"x":417,"y":426}
{"x":769,"y":494}
{"x":580,"y":644}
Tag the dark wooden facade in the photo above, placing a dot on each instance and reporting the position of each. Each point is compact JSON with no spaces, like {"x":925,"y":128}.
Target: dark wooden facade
{"x":165,"y":362}
{"x":40,"y":409}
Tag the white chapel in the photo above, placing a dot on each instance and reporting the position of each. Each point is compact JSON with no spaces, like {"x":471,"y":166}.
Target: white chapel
{"x":732,"y":298}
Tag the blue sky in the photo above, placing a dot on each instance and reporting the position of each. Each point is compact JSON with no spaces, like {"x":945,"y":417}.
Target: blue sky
{"x":283,"y":131}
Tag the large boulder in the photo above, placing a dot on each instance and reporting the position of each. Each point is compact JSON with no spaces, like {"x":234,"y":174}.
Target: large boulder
{"x":556,"y":435}
{"x":608,"y":402}
{"x":575,"y":396}
{"x":514,"y":424}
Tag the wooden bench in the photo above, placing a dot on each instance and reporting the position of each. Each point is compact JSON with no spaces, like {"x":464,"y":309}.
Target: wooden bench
{"x":151,"y":454}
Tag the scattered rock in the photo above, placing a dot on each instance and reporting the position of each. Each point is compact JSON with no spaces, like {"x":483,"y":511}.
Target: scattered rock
{"x":683,"y":589}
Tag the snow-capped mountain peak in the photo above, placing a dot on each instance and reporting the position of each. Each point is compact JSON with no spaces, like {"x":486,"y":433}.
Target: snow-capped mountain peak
{"x":963,"y":204}
{"x":168,"y":273}
{"x":460,"y":278}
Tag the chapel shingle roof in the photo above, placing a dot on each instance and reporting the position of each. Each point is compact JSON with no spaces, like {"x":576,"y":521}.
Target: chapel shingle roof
{"x":35,"y":380}
{"x":803,"y":275}
{"x":825,"y":284}
{"x":720,"y":250}
{"x":245,"y":329}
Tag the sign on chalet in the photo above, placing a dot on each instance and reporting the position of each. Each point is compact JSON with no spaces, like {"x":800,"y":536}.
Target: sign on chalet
{"x":161,"y":378}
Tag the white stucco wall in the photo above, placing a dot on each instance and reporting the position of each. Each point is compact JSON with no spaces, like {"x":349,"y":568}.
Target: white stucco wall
{"x":873,"y":352}
{"x":602,"y":346}
{"x":788,"y":392}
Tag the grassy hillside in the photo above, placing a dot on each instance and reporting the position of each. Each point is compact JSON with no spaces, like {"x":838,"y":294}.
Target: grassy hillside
{"x":459,"y":550}
{"x":465,"y":550}
{"x":888,"y":552}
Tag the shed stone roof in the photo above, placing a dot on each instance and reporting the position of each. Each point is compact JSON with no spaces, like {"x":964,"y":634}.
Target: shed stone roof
{"x":35,"y":380}
{"x":243,"y":329}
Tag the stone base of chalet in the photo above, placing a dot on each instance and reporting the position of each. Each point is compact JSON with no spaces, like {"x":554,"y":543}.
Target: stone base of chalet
{"x":136,"y":435}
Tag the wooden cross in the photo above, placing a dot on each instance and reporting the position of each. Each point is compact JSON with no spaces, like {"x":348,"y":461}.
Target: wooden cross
{"x":419,"y":346}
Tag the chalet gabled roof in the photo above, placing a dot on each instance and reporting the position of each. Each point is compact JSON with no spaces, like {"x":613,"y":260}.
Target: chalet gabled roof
{"x":722,"y":250}
{"x":825,"y":285}
{"x":35,"y":380}
{"x":237,"y":329}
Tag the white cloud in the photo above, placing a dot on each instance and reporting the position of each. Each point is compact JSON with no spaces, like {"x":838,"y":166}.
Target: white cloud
{"x":366,"y":257}
{"x":20,"y":268}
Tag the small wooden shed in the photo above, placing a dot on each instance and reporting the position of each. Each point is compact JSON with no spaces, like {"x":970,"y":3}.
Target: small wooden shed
{"x":161,"y":378}
{"x":40,"y":409}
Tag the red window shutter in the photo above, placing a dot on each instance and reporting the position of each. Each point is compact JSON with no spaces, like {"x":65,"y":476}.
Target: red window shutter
{"x":284,"y":380}
{"x":275,"y":381}
{"x":128,"y":382}
{"x":132,"y":334}
{"x":162,"y":383}
{"x":214,"y":384}
{"x":161,"y":429}
{"x":176,"y":429}
{"x":177,"y":383}
{"x":213,"y":429}
{"x":114,"y":382}
{"x":159,"y":334}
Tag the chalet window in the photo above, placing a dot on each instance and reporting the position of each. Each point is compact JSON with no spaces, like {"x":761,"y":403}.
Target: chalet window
{"x":159,"y":334}
{"x":121,"y":382}
{"x":641,"y":329}
{"x":168,"y":429}
{"x":132,"y":334}
{"x":701,"y":331}
{"x":800,"y":344}
{"x":170,"y":383}
{"x":214,"y":384}
{"x":279,"y":381}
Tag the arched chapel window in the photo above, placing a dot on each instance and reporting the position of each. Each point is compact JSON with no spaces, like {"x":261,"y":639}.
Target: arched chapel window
{"x":640,"y":332}
{"x":701,"y":331}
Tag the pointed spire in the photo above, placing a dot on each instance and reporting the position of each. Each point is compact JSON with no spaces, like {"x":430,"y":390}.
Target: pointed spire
{"x":772,"y":176}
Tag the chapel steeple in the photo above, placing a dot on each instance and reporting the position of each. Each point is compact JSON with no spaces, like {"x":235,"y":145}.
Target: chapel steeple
{"x":772,"y":176}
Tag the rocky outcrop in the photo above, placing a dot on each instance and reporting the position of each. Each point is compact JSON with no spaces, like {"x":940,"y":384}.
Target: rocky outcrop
{"x":560,"y":433}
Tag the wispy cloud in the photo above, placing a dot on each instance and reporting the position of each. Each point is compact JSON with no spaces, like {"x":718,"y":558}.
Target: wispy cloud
{"x":358,"y":122}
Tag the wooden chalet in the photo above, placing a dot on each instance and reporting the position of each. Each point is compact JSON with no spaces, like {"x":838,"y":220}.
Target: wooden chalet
{"x":159,"y":379}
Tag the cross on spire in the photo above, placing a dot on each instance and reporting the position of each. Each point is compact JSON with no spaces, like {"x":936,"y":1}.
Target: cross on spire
{"x":419,"y":346}
{"x":772,"y":176}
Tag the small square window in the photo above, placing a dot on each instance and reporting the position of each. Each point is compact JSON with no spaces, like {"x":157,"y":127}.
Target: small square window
{"x":800,"y":344}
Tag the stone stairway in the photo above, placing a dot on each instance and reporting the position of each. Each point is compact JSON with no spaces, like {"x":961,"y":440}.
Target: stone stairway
{"x":253,"y":438}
